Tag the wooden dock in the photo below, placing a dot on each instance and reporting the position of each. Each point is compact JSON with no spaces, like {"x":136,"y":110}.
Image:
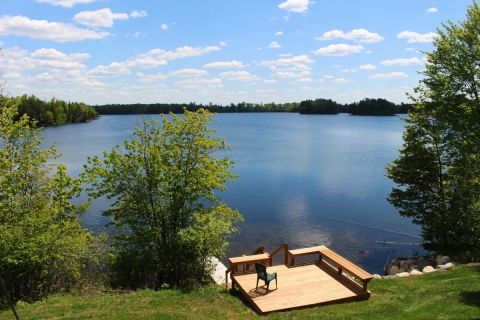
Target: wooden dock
{"x":330,"y":278}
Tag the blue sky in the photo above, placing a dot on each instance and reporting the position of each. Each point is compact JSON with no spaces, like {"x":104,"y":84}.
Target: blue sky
{"x":120,"y":51}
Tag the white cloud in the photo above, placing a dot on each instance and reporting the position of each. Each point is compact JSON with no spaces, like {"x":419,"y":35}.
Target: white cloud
{"x":65,"y":3}
{"x":271,"y":81}
{"x":225,"y":64}
{"x":239,"y":75}
{"x":340,"y":80}
{"x":138,"y":13}
{"x":279,"y":33}
{"x":306,"y":79}
{"x":151,"y":59}
{"x":198,"y":83}
{"x":348,"y":70}
{"x":415,"y":37}
{"x":340,"y":49}
{"x":403,"y":62}
{"x":16,"y":59}
{"x":45,"y":30}
{"x":164,"y":26}
{"x":151,"y":77}
{"x":367,"y":67}
{"x":298,"y":6}
{"x":432,"y":10}
{"x":188,"y":72}
{"x":99,"y":18}
{"x":274,"y":45}
{"x":356,"y":35}
{"x":289,"y":67}
{"x":410,"y":49}
{"x":390,"y":75}
{"x":113,"y":69}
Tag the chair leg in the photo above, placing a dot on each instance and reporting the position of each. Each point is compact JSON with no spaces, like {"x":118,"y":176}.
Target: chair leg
{"x":257,"y":285}
{"x":276,"y":283}
{"x":268,"y":284}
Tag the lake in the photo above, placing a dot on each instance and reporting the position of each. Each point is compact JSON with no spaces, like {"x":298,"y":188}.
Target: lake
{"x":303,"y":179}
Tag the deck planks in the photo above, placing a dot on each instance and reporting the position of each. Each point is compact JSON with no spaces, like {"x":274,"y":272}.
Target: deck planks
{"x":298,"y":286}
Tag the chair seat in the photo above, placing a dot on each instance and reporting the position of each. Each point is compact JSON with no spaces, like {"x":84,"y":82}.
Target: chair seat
{"x":271,"y":276}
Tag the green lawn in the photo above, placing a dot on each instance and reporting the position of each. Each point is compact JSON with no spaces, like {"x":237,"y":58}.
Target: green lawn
{"x":442,"y":295}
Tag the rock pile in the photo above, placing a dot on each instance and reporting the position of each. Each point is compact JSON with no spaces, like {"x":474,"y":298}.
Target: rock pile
{"x":405,"y":267}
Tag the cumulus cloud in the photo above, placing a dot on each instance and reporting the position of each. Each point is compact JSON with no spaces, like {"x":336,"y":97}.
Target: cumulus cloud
{"x":415,"y":37}
{"x":153,"y":77}
{"x":356,"y":35}
{"x":138,"y":14}
{"x":274,"y":45}
{"x":65,"y":3}
{"x":432,"y":10}
{"x":198,"y":83}
{"x":151,"y":59}
{"x":279,"y":33}
{"x":297,"y":6}
{"x":340,"y":49}
{"x":99,"y":18}
{"x":225,"y":64}
{"x":164,"y":26}
{"x":367,"y":67}
{"x":45,"y":30}
{"x":340,"y":80}
{"x":188,"y":72}
{"x":289,"y":67}
{"x":403,"y":62}
{"x":112,"y":69}
{"x":390,"y":75}
{"x":239,"y":75}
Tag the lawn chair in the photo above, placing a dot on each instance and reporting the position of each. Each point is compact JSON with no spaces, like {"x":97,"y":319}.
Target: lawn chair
{"x":263,"y":275}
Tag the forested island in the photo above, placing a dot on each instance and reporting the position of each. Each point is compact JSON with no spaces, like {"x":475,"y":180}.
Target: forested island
{"x":375,"y":107}
{"x":53,"y":112}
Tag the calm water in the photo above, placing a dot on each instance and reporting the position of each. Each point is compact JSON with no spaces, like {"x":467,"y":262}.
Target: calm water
{"x":303,"y":179}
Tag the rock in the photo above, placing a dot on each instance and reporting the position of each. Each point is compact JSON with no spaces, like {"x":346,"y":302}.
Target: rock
{"x":440,"y":260}
{"x":413,"y":267}
{"x":405,"y":264}
{"x":377,"y":276}
{"x":403,"y":274}
{"x":428,"y":269}
{"x":446,"y":266}
{"x":415,"y":272}
{"x":393,"y":270}
{"x":388,"y":277}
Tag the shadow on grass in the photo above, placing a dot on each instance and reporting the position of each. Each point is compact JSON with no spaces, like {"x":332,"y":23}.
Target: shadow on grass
{"x":471,"y":298}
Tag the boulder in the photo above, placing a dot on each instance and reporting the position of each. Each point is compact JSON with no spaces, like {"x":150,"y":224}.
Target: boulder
{"x":415,"y":272}
{"x":442,"y":260}
{"x":445,"y":266}
{"x":403,"y":274}
{"x":377,"y":276}
{"x":393,"y":270}
{"x":428,"y":269}
{"x":413,"y":267}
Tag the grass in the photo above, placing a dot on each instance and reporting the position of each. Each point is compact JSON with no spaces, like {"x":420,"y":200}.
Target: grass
{"x":442,"y":295}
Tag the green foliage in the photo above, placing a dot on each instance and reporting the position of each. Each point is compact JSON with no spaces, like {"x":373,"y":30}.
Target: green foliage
{"x":41,"y":240}
{"x":438,"y":171}
{"x":53,"y":112}
{"x":169,"y":220}
{"x":318,"y":106}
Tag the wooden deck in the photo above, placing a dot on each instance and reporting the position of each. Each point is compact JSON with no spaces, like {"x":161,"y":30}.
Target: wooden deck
{"x":299,"y":286}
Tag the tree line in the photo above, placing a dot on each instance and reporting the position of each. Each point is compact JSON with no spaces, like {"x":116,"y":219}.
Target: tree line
{"x":53,"y":112}
{"x":317,"y":106}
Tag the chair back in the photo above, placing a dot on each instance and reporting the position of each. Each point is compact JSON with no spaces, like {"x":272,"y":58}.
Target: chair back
{"x":261,"y":271}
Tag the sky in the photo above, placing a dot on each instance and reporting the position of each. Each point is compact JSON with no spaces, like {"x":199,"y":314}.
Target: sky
{"x":178,"y":51}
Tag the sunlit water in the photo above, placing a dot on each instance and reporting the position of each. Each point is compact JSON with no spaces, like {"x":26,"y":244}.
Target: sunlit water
{"x":303,"y":179}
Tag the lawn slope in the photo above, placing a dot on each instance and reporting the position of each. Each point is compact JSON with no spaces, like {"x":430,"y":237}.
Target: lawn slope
{"x":442,"y":295}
